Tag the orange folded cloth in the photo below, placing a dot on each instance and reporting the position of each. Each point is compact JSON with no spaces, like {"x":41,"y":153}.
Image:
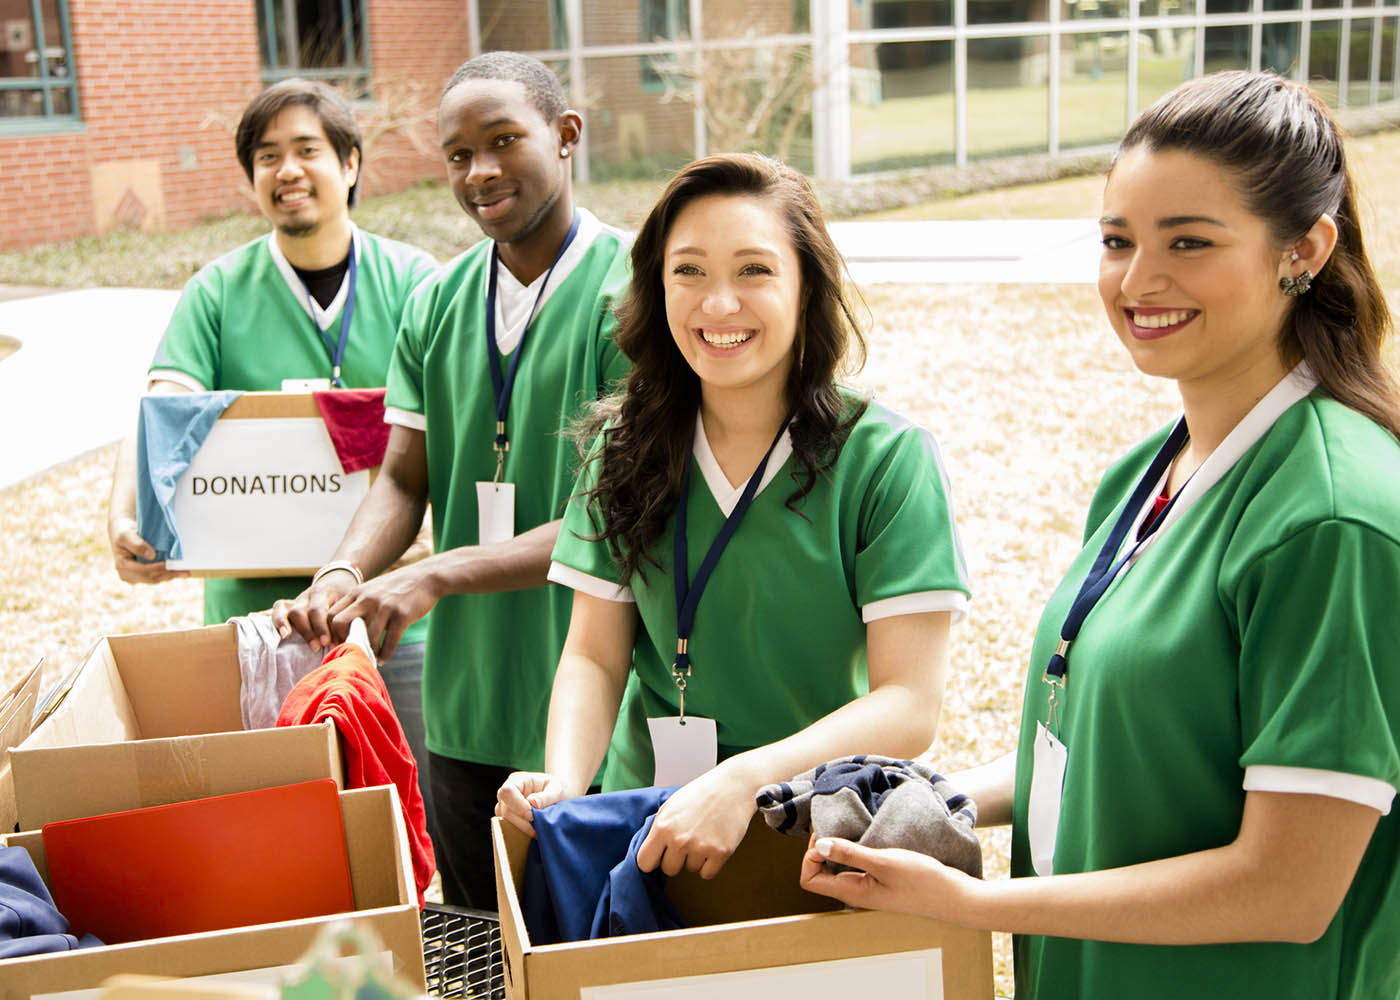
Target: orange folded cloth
{"x":348,"y":690}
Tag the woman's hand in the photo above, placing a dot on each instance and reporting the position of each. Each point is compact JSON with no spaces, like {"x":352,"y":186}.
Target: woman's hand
{"x":523,"y":793}
{"x":889,"y":879}
{"x":698,"y":827}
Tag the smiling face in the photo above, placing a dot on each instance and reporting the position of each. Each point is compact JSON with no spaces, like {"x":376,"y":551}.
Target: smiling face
{"x":1189,"y":276}
{"x":504,"y":161}
{"x":298,"y":179}
{"x":733,"y":285}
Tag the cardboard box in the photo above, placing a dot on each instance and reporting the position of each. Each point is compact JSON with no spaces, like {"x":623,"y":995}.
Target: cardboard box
{"x":265,"y":494}
{"x":753,"y":929}
{"x":170,"y":703}
{"x":385,"y":899}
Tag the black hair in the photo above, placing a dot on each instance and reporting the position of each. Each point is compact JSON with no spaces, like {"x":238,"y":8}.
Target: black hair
{"x":542,"y":87}
{"x":337,"y":120}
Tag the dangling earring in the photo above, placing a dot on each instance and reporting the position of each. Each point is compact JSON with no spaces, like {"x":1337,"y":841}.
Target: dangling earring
{"x":1294,"y":287}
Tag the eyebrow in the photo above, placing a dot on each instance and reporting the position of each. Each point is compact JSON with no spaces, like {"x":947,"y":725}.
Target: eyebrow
{"x":494,"y":123}
{"x":1170,"y":222}
{"x":268,"y":144}
{"x":745,"y":252}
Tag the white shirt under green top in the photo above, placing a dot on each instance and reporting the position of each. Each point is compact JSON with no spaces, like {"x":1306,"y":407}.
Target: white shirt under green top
{"x":1250,"y":645}
{"x":245,"y":322}
{"x":779,"y":637}
{"x":490,"y":658}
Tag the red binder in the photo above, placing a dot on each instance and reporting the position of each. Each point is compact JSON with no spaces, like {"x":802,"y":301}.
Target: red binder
{"x":208,"y":864}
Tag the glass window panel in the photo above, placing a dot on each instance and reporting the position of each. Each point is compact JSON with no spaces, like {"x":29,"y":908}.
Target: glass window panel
{"x":1007,"y":11}
{"x":761,"y":99}
{"x":1087,"y":10}
{"x":1279,"y":47}
{"x":1008,"y":95}
{"x":19,"y":53}
{"x":517,"y":25}
{"x":1324,"y":44}
{"x":743,"y":18}
{"x":1166,"y":57}
{"x":1326,"y":3}
{"x":867,"y":14}
{"x":61,"y":99}
{"x":1093,"y":88}
{"x":1359,"y":66}
{"x":626,"y":23}
{"x":901,"y":105}
{"x":1227,"y":47}
{"x":1226,"y":6}
{"x":1162,"y":8}
{"x":632,"y":132}
{"x":21,"y":104}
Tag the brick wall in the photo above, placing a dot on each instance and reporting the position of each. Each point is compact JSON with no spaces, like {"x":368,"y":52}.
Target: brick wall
{"x":161,"y":84}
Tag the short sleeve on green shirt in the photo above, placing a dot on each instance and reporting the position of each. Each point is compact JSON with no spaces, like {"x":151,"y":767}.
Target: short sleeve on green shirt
{"x":792,"y":587}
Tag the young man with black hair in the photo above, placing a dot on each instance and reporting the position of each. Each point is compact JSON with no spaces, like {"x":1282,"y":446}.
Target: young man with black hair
{"x":498,"y":352}
{"x":272,"y":311}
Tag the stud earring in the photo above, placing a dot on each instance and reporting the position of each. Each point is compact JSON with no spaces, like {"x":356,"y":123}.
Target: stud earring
{"x":1295,"y":256}
{"x":1294,"y":287}
{"x":563,"y":154}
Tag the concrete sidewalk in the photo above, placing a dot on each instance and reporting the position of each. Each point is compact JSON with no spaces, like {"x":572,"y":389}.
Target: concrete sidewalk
{"x":72,"y":384}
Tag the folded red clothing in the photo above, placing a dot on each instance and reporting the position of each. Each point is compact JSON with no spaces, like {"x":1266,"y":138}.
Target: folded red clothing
{"x":354,"y":419}
{"x":348,"y":690}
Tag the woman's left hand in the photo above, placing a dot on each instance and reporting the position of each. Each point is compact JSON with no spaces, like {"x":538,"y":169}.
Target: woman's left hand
{"x":889,"y":879}
{"x":698,"y":827}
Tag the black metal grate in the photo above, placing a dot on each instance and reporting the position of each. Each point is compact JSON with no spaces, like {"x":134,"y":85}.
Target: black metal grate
{"x":462,"y":952}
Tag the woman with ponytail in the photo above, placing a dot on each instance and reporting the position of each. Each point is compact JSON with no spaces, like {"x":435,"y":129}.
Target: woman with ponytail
{"x":1210,"y":740}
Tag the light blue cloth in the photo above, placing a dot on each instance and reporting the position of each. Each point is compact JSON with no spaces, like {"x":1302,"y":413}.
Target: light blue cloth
{"x":169,"y":432}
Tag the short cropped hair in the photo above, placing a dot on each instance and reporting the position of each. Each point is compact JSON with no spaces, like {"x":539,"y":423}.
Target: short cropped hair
{"x":337,"y":120}
{"x":542,"y":87}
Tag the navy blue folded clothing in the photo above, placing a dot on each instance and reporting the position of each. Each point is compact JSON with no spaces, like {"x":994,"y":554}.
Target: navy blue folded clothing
{"x":581,"y":874}
{"x":29,"y":923}
{"x":878,"y":802}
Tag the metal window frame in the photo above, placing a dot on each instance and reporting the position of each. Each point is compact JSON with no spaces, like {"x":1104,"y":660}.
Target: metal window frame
{"x":274,"y":64}
{"x":831,"y":36}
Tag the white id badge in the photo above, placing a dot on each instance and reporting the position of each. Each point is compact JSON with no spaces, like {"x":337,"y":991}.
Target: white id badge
{"x":495,"y":507}
{"x":306,"y":384}
{"x":684,"y":748}
{"x":1047,"y":783}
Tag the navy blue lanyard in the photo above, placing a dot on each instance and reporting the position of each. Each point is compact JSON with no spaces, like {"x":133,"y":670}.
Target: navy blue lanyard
{"x":1105,"y":568}
{"x":687,"y":593}
{"x":337,"y":348}
{"x":504,"y":384}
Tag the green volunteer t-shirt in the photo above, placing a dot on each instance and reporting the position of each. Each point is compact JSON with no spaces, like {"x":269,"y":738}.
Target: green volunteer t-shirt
{"x":490,"y":658}
{"x":779,"y":636}
{"x":243,"y":322}
{"x":1254,"y":643}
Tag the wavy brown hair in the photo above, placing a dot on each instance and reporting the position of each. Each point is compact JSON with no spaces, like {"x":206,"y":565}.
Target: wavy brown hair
{"x":647,"y":429}
{"x":1283,"y":150}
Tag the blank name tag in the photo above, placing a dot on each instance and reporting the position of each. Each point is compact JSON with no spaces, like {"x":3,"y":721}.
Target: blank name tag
{"x":1047,"y":784}
{"x":306,"y":384}
{"x":684,"y":748}
{"x":495,"y":506}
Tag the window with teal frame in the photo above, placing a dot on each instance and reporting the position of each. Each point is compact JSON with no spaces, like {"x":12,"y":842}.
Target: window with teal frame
{"x":316,"y":39}
{"x":38,"y":82}
{"x":662,"y":21}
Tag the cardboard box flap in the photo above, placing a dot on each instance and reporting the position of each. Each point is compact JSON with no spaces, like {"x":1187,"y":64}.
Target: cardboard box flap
{"x":17,"y":707}
{"x":59,"y":783}
{"x":380,"y":870}
{"x":180,"y":683}
{"x":90,"y":706}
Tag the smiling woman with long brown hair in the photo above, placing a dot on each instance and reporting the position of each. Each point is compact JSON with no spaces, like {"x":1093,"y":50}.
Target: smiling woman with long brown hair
{"x":815,"y":524}
{"x":1210,"y":738}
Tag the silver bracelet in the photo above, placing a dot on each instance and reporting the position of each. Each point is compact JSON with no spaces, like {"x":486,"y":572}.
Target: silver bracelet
{"x":336,"y":564}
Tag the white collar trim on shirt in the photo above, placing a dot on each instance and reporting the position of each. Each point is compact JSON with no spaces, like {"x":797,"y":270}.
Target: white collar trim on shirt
{"x":725,"y":493}
{"x":506,"y":337}
{"x":1256,"y":423}
{"x":321,"y":317}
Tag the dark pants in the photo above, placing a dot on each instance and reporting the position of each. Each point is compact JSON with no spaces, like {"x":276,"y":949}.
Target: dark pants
{"x":464,"y":799}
